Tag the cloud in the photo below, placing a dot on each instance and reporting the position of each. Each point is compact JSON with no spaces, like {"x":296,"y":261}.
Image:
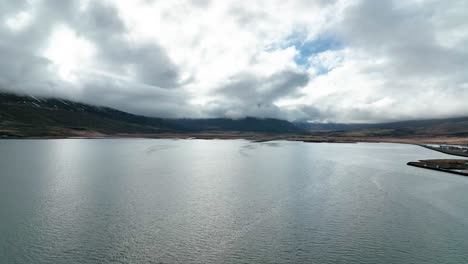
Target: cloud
{"x":44,"y":59}
{"x":405,"y":37}
{"x":248,"y":95}
{"x":146,"y":62}
{"x":332,"y":61}
{"x":398,"y":62}
{"x":142,"y":98}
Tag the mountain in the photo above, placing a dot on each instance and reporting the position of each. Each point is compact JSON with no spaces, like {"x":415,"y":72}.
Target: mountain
{"x":430,"y":127}
{"x":29,"y":116}
{"x":248,"y":124}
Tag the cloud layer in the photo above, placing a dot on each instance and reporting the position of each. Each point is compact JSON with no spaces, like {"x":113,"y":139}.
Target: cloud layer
{"x":327,"y":61}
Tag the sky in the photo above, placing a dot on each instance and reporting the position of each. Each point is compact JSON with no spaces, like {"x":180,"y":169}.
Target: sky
{"x":349,"y":61}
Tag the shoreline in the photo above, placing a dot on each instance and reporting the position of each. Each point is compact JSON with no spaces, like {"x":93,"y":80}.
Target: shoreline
{"x":448,"y":152}
{"x":257,"y":137}
{"x":420,"y":164}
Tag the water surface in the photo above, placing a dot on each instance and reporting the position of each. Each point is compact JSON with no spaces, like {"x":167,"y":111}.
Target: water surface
{"x":231,"y":201}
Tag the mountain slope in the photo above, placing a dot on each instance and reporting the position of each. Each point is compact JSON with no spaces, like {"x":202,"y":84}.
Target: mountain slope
{"x":430,"y":127}
{"x":248,"y":124}
{"x":28,"y":116}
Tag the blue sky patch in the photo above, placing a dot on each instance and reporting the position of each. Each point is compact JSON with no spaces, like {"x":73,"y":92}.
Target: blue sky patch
{"x":309,"y":48}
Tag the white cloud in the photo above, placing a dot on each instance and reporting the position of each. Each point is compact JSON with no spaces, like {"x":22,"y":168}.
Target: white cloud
{"x":69,"y":53}
{"x":18,"y":21}
{"x":199,"y":58}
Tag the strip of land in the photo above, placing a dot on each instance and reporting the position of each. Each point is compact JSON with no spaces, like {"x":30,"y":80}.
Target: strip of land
{"x":451,"y":150}
{"x":305,"y":138}
{"x":260,"y":137}
{"x":455,"y":166}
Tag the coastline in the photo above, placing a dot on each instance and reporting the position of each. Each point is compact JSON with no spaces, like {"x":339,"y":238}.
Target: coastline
{"x":306,"y":138}
{"x":258,"y":137}
{"x":454,"y":153}
{"x":422,"y":164}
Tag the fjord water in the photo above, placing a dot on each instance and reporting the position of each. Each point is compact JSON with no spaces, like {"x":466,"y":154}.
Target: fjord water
{"x":200,"y":201}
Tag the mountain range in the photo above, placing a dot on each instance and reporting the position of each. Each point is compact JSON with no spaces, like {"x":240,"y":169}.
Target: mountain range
{"x":29,"y":116}
{"x":23,"y":116}
{"x":456,"y":127}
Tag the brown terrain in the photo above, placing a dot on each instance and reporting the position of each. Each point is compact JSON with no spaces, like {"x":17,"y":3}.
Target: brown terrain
{"x":455,"y":166}
{"x":265,"y":137}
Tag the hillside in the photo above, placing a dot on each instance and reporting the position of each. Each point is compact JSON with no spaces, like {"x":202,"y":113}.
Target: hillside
{"x":249,"y":124}
{"x":456,"y":127}
{"x":28,"y":116}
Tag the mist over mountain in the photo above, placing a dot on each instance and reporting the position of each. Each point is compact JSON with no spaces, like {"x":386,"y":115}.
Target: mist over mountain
{"x":30,"y":116}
